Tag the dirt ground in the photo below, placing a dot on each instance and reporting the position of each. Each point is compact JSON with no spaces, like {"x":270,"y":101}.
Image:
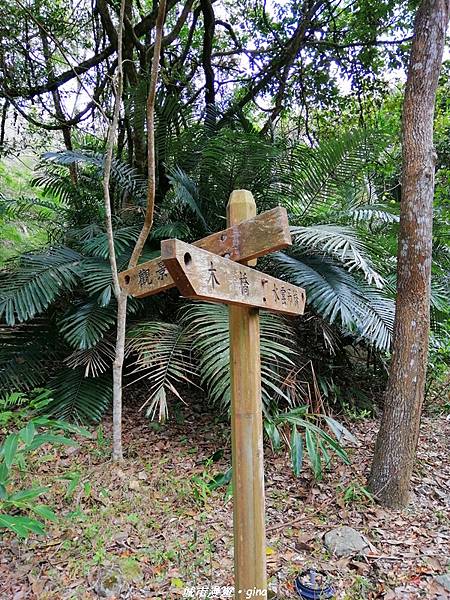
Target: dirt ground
{"x":152,"y":528}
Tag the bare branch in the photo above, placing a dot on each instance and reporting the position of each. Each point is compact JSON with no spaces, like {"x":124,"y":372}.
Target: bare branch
{"x":151,"y":190}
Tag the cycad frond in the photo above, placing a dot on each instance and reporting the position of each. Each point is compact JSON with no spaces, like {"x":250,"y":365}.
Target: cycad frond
{"x":163,"y":358}
{"x":36,"y":282}
{"x":173,"y":229}
{"x":84,"y":327}
{"x":79,"y":398}
{"x":186,"y":192}
{"x":311,"y":175}
{"x":124,"y":238}
{"x":230,"y":162}
{"x":376,"y":318}
{"x":56,"y":184}
{"x":22,"y":360}
{"x":97,"y":279}
{"x":95,"y":361}
{"x":372,"y":213}
{"x":338,"y":242}
{"x":127,"y":178}
{"x":208,"y":327}
{"x":338,"y":296}
{"x":31,"y":208}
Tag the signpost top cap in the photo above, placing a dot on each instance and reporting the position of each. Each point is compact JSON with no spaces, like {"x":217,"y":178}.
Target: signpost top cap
{"x":242,"y":197}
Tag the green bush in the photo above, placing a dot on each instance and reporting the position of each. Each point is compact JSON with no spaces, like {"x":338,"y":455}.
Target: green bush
{"x":20,"y":509}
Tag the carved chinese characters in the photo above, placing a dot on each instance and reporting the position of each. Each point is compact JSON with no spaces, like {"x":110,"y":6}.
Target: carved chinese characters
{"x":201,"y":275}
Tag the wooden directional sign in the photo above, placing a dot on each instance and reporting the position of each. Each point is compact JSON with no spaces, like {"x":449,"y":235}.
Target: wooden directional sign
{"x":209,"y":270}
{"x":202,"y":275}
{"x":249,"y":239}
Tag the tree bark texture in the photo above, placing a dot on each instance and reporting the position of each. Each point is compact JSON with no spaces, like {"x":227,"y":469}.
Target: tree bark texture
{"x":397,"y":439}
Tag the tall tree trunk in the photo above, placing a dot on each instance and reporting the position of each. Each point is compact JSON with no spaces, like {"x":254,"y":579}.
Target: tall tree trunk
{"x":121,"y":296}
{"x":59,"y":111}
{"x":397,"y":439}
{"x":208,"y":38}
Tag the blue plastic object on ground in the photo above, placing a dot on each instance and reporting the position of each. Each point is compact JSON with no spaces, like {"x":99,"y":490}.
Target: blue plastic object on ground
{"x":310,"y":590}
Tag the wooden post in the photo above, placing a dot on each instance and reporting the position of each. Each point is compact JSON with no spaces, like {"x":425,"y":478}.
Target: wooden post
{"x":247,"y":432}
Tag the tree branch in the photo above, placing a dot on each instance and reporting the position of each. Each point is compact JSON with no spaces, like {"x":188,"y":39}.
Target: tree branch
{"x":288,"y":54}
{"x":61,"y":79}
{"x":208,"y":37}
{"x":151,"y":190}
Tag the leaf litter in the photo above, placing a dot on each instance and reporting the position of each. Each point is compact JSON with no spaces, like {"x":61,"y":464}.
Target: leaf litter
{"x":155,"y":521}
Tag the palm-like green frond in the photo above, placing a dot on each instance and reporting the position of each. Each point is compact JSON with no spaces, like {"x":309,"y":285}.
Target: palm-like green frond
{"x":186,"y":192}
{"x":85,"y":326}
{"x":338,"y":242}
{"x":372,"y":213}
{"x":320,"y":445}
{"x":339,"y":297}
{"x":208,"y":327}
{"x":36,"y":281}
{"x":162,"y":356}
{"x":79,"y":398}
{"x":170,"y":230}
{"x":123,"y":238}
{"x":97,"y":279}
{"x":57,"y":184}
{"x":95,"y":360}
{"x":31,"y":208}
{"x":127,"y":178}
{"x":22,"y":360}
{"x":335,"y":168}
{"x":230,"y":161}
{"x":376,"y":318}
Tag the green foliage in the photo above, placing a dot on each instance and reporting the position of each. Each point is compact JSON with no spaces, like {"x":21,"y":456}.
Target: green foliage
{"x":20,"y":510}
{"x":333,"y":211}
{"x":36,"y":281}
{"x":319,"y":444}
{"x":170,"y":356}
{"x":340,"y":243}
{"x":79,"y":398}
{"x":125,"y":177}
{"x":338,"y":295}
{"x":23,"y":355}
{"x":17,"y":406}
{"x":24,"y":213}
{"x":85,"y":325}
{"x":162,"y":357}
{"x":357,"y":493}
{"x":344,"y":225}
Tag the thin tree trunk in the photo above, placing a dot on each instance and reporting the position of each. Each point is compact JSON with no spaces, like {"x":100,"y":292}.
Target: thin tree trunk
{"x":397,"y":439}
{"x":151,"y":163}
{"x":121,"y":297}
{"x":3,"y":126}
{"x":117,"y":451}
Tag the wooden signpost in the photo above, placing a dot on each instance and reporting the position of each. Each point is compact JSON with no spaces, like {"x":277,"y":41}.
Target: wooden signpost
{"x":202,"y":275}
{"x":205,"y":270}
{"x":254,"y":237}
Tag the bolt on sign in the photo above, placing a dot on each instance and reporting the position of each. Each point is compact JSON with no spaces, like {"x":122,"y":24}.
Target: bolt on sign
{"x":215,"y":269}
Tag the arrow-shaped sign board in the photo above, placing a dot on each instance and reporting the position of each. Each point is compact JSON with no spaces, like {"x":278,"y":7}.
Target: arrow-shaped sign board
{"x":255,"y":237}
{"x":201,"y":275}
